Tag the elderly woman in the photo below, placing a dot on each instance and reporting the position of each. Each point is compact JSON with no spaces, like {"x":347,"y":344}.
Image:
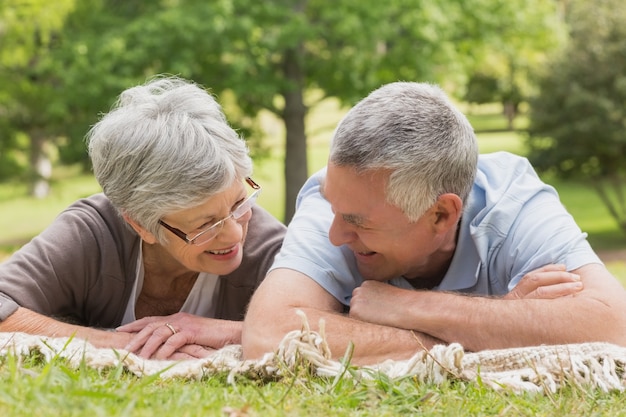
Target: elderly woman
{"x":172,"y":249}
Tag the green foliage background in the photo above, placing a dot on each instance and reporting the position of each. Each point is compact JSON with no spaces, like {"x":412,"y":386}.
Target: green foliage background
{"x":578,"y":120}
{"x":64,"y":62}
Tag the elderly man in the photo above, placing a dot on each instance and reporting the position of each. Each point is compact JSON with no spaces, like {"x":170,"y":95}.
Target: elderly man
{"x":409,"y":238}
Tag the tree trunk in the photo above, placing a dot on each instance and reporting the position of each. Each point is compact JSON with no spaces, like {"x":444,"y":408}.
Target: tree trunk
{"x":510,"y":112}
{"x":40,"y":165}
{"x":612,"y":192}
{"x":296,"y":167}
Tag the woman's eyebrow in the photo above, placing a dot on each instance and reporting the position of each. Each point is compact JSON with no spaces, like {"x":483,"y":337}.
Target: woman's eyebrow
{"x":204,"y":217}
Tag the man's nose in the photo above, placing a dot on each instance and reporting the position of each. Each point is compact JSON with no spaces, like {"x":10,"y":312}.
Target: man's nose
{"x":340,"y":232}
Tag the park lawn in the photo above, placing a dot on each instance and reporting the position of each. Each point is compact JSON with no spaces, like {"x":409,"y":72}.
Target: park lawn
{"x":29,"y":387}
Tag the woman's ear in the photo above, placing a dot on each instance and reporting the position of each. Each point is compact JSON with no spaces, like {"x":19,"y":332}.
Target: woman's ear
{"x":145,"y":235}
{"x":447,"y":210}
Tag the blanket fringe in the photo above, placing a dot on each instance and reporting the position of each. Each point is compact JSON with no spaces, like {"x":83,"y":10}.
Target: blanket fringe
{"x":530,"y":369}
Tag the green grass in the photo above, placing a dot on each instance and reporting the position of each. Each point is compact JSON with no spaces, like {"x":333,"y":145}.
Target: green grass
{"x":29,"y":387}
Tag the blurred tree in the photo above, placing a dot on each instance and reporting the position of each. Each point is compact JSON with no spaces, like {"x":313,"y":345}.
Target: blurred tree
{"x":265,"y":54}
{"x":268,"y":54}
{"x":30,"y":101}
{"x":97,"y":64}
{"x":578,"y":121}
{"x":517,"y":44}
{"x":481,"y":89}
{"x":276,"y":51}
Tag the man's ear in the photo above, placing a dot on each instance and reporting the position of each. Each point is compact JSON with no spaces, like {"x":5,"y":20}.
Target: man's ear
{"x":447,"y":211}
{"x":143,"y":233}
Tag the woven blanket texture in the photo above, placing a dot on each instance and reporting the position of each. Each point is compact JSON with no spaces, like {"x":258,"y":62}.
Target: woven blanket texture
{"x":531,"y":369}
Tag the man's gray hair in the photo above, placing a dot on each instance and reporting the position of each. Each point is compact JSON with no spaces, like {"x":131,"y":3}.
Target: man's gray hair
{"x":165,"y":146}
{"x":416,"y":133}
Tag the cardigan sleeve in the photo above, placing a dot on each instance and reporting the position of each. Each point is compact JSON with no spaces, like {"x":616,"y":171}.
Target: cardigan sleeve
{"x":78,"y":268}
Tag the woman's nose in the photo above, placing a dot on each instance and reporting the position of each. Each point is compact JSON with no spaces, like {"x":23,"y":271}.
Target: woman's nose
{"x":232,"y":229}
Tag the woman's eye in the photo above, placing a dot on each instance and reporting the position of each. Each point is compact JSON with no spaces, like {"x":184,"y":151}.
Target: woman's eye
{"x":238,"y":203}
{"x":205,"y":226}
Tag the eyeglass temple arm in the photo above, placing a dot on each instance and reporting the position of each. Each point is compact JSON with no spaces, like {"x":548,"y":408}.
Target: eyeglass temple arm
{"x":174,"y":230}
{"x":252,"y":184}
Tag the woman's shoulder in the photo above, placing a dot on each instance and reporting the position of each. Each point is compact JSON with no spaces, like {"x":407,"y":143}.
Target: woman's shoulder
{"x":264,"y":237}
{"x":95,"y":215}
{"x":264,"y":222}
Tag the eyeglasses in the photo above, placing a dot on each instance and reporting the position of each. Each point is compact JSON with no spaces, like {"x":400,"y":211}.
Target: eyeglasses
{"x":213,"y":230}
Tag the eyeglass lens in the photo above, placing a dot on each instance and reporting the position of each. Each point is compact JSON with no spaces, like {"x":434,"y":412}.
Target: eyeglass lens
{"x":239,"y":211}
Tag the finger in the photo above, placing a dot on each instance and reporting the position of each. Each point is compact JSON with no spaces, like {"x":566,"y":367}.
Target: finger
{"x":137,"y":325}
{"x":162,"y":338}
{"x":167,"y":348}
{"x":534,"y":280}
{"x":552,"y":277}
{"x":193,"y":351}
{"x":145,"y":334}
{"x":556,"y":291}
{"x":551,"y":267}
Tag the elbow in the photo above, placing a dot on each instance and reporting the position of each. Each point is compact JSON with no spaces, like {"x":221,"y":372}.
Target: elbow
{"x":256,"y":342}
{"x":262,"y":334}
{"x":608,"y":324}
{"x":616,"y":330}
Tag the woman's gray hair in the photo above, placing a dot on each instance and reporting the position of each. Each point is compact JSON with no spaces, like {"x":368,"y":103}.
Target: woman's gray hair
{"x":415,"y":132}
{"x":165,"y":146}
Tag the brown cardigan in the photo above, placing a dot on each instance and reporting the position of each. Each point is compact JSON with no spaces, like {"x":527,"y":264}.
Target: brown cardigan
{"x":83,"y":266}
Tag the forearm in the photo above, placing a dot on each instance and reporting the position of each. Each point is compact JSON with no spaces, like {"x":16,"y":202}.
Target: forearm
{"x":372,"y":343}
{"x":480,"y":323}
{"x":595,"y":313}
{"x":27,"y":321}
{"x":219,"y":333}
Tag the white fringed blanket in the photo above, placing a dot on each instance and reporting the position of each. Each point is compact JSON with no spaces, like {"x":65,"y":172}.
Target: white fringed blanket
{"x":532,"y":369}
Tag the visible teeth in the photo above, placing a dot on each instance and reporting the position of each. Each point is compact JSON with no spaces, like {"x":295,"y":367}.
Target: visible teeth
{"x":220,"y":252}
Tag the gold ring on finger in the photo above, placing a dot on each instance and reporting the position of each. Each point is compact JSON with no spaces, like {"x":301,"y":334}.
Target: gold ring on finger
{"x":169,"y":326}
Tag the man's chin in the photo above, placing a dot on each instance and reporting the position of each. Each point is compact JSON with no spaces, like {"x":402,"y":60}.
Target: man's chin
{"x":369,"y":274}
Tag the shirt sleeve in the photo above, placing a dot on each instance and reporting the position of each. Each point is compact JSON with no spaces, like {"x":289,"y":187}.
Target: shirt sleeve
{"x":545,"y":233}
{"x":525,"y":226}
{"x":308,"y":250}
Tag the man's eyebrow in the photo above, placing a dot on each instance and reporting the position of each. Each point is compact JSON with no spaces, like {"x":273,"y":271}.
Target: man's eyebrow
{"x":353,"y":219}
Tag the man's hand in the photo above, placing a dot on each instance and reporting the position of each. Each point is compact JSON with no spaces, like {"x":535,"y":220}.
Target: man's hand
{"x":550,"y":281}
{"x":379,"y":303}
{"x":180,"y":336}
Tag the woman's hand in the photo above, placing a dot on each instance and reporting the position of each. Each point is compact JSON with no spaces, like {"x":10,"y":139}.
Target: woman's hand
{"x":180,"y":336}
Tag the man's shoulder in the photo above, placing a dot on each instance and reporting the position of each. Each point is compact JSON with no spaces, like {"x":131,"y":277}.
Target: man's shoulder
{"x":504,"y":173}
{"x":502,"y":162}
{"x":505,"y":184}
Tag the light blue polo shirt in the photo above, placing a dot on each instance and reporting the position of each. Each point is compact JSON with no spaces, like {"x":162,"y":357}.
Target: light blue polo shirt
{"x":512,"y":224}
